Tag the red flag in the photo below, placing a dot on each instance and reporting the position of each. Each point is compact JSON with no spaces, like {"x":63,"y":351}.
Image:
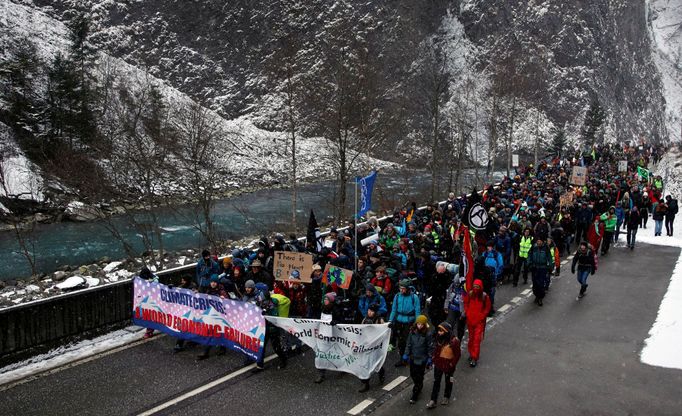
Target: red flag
{"x":467,"y":258}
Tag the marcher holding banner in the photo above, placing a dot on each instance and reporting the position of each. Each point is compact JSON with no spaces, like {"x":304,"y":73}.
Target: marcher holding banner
{"x":198,"y":317}
{"x":373,"y":318}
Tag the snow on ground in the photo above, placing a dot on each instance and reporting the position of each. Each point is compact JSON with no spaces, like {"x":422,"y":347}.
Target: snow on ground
{"x":665,"y":337}
{"x":68,"y":354}
{"x":664,"y":18}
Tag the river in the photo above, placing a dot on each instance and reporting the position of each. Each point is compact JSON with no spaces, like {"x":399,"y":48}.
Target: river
{"x":251,"y":214}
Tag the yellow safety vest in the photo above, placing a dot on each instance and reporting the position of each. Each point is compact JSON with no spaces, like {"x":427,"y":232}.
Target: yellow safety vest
{"x":524,"y":246}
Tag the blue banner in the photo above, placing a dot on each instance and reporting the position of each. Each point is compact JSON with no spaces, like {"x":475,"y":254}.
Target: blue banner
{"x":366,"y":185}
{"x":197,"y":317}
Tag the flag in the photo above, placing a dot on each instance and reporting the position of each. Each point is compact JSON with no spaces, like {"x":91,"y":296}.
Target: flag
{"x":475,"y":216}
{"x":366,"y":186}
{"x":643,"y":173}
{"x":313,"y":235}
{"x":467,"y":268}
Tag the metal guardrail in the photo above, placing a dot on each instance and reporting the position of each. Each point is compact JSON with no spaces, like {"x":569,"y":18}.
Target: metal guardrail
{"x":34,"y":327}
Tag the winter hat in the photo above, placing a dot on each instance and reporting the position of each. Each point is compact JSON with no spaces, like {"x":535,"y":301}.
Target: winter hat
{"x":373,"y":307}
{"x":422,"y":319}
{"x":331,"y":296}
{"x":215,"y":278}
{"x":479,"y":283}
{"x":205,"y":253}
{"x":371,"y":288}
{"x":405,"y":283}
{"x":256,"y":263}
{"x":236,"y":252}
{"x":317,"y":267}
{"x":250,"y":283}
{"x":445,"y":326}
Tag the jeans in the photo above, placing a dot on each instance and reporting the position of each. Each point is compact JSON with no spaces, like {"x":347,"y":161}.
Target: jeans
{"x":582,"y":277}
{"x":437,"y":375}
{"x":616,"y":232}
{"x":659,"y":227}
{"x":669,"y":224}
{"x":632,"y":235}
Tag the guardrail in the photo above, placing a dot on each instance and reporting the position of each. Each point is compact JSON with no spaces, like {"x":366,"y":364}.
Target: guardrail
{"x":35,"y":327}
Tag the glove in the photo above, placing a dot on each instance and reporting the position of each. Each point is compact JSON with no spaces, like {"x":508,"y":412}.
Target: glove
{"x":406,"y":357}
{"x":333,"y":323}
{"x":390,"y":324}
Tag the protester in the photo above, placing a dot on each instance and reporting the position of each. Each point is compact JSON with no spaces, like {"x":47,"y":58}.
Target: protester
{"x":670,"y":214}
{"x":446,"y":354}
{"x":147,"y":275}
{"x":404,"y":312}
{"x":477,"y":308}
{"x":540,"y":262}
{"x":633,"y":224}
{"x":586,"y":265}
{"x":373,"y":317}
{"x":206,"y":267}
{"x":418,"y":353}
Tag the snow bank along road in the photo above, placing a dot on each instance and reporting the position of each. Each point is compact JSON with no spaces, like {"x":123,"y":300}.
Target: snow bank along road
{"x":565,"y":358}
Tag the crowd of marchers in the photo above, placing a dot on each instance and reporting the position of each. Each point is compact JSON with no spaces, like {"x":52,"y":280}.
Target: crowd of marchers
{"x":412,"y":270}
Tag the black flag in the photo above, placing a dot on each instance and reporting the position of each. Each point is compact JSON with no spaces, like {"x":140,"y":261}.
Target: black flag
{"x":313,"y":235}
{"x":475,"y":216}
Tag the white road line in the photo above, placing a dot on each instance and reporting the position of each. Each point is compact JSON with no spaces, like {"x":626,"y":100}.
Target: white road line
{"x":569,"y":257}
{"x":526,"y":292}
{"x":393,"y":384}
{"x":564,"y":262}
{"x":517,"y":299}
{"x":204,"y":388}
{"x":360,"y":407}
{"x":503,"y":308}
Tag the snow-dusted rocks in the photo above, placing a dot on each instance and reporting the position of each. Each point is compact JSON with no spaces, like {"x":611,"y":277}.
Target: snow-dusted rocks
{"x":78,"y":211}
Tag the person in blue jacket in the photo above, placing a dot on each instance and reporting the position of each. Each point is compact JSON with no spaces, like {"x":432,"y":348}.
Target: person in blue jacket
{"x":494,"y":261}
{"x":206,"y":267}
{"x":404,"y":312}
{"x":372,"y":297}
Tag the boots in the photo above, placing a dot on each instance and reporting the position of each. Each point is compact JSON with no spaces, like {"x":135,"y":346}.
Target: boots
{"x":583,"y":289}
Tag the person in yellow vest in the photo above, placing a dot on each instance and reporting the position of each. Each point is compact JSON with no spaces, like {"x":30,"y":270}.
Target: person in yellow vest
{"x":525,"y":245}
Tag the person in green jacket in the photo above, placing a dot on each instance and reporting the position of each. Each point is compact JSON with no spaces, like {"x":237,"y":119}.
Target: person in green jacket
{"x":540,"y":263}
{"x":610,"y":220}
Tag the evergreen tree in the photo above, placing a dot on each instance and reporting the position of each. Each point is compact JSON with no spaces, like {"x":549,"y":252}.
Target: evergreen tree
{"x":594,"y":120}
{"x":558,"y":141}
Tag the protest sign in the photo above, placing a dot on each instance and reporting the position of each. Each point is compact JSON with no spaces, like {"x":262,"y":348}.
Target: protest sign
{"x":356,"y":349}
{"x":338,"y":275}
{"x":200,"y":318}
{"x":567,"y":199}
{"x":623,"y":166}
{"x":579,"y":175}
{"x":515,"y":161}
{"x":286,"y":262}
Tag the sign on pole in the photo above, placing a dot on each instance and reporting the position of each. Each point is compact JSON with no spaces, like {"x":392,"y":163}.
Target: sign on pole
{"x":515,"y":161}
{"x":286,"y":262}
{"x":338,"y":275}
{"x":579,"y":175}
{"x":623,"y":166}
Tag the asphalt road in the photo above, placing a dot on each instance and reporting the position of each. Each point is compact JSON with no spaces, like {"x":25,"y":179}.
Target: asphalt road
{"x":565,"y":358}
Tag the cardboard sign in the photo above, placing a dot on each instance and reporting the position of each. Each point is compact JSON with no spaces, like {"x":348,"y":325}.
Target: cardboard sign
{"x":579,"y":175}
{"x":286,"y":262}
{"x":515,"y":161}
{"x":338,"y":275}
{"x":623,"y":166}
{"x":567,"y":199}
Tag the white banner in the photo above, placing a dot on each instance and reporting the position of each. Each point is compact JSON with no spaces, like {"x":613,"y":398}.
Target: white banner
{"x":357,"y":349}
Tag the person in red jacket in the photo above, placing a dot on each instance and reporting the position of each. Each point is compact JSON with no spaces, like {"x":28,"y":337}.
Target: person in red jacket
{"x":446,"y":354}
{"x":382,"y":281}
{"x":477,"y":306}
{"x":595,"y":233}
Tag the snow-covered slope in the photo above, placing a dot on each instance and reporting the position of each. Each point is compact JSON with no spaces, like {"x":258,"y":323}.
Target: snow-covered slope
{"x":664,"y":19}
{"x":249,"y":155}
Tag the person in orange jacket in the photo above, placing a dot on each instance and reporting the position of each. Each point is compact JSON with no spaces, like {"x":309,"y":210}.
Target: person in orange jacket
{"x":476,"y":306}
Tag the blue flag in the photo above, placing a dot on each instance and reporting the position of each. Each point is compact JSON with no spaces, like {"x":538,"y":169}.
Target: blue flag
{"x":366,"y":186}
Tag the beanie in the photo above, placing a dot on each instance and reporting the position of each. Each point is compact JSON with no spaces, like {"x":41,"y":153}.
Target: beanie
{"x":250,"y":283}
{"x":331,"y":296}
{"x":215,"y":278}
{"x":405,"y":283}
{"x":422,"y":319}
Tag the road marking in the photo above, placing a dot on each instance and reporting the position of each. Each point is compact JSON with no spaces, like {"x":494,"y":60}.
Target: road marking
{"x":564,"y":262}
{"x":360,"y":407}
{"x":517,"y":299}
{"x":503,"y":308}
{"x":393,"y":384}
{"x":526,"y":292}
{"x":204,"y":388}
{"x":569,"y":257}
